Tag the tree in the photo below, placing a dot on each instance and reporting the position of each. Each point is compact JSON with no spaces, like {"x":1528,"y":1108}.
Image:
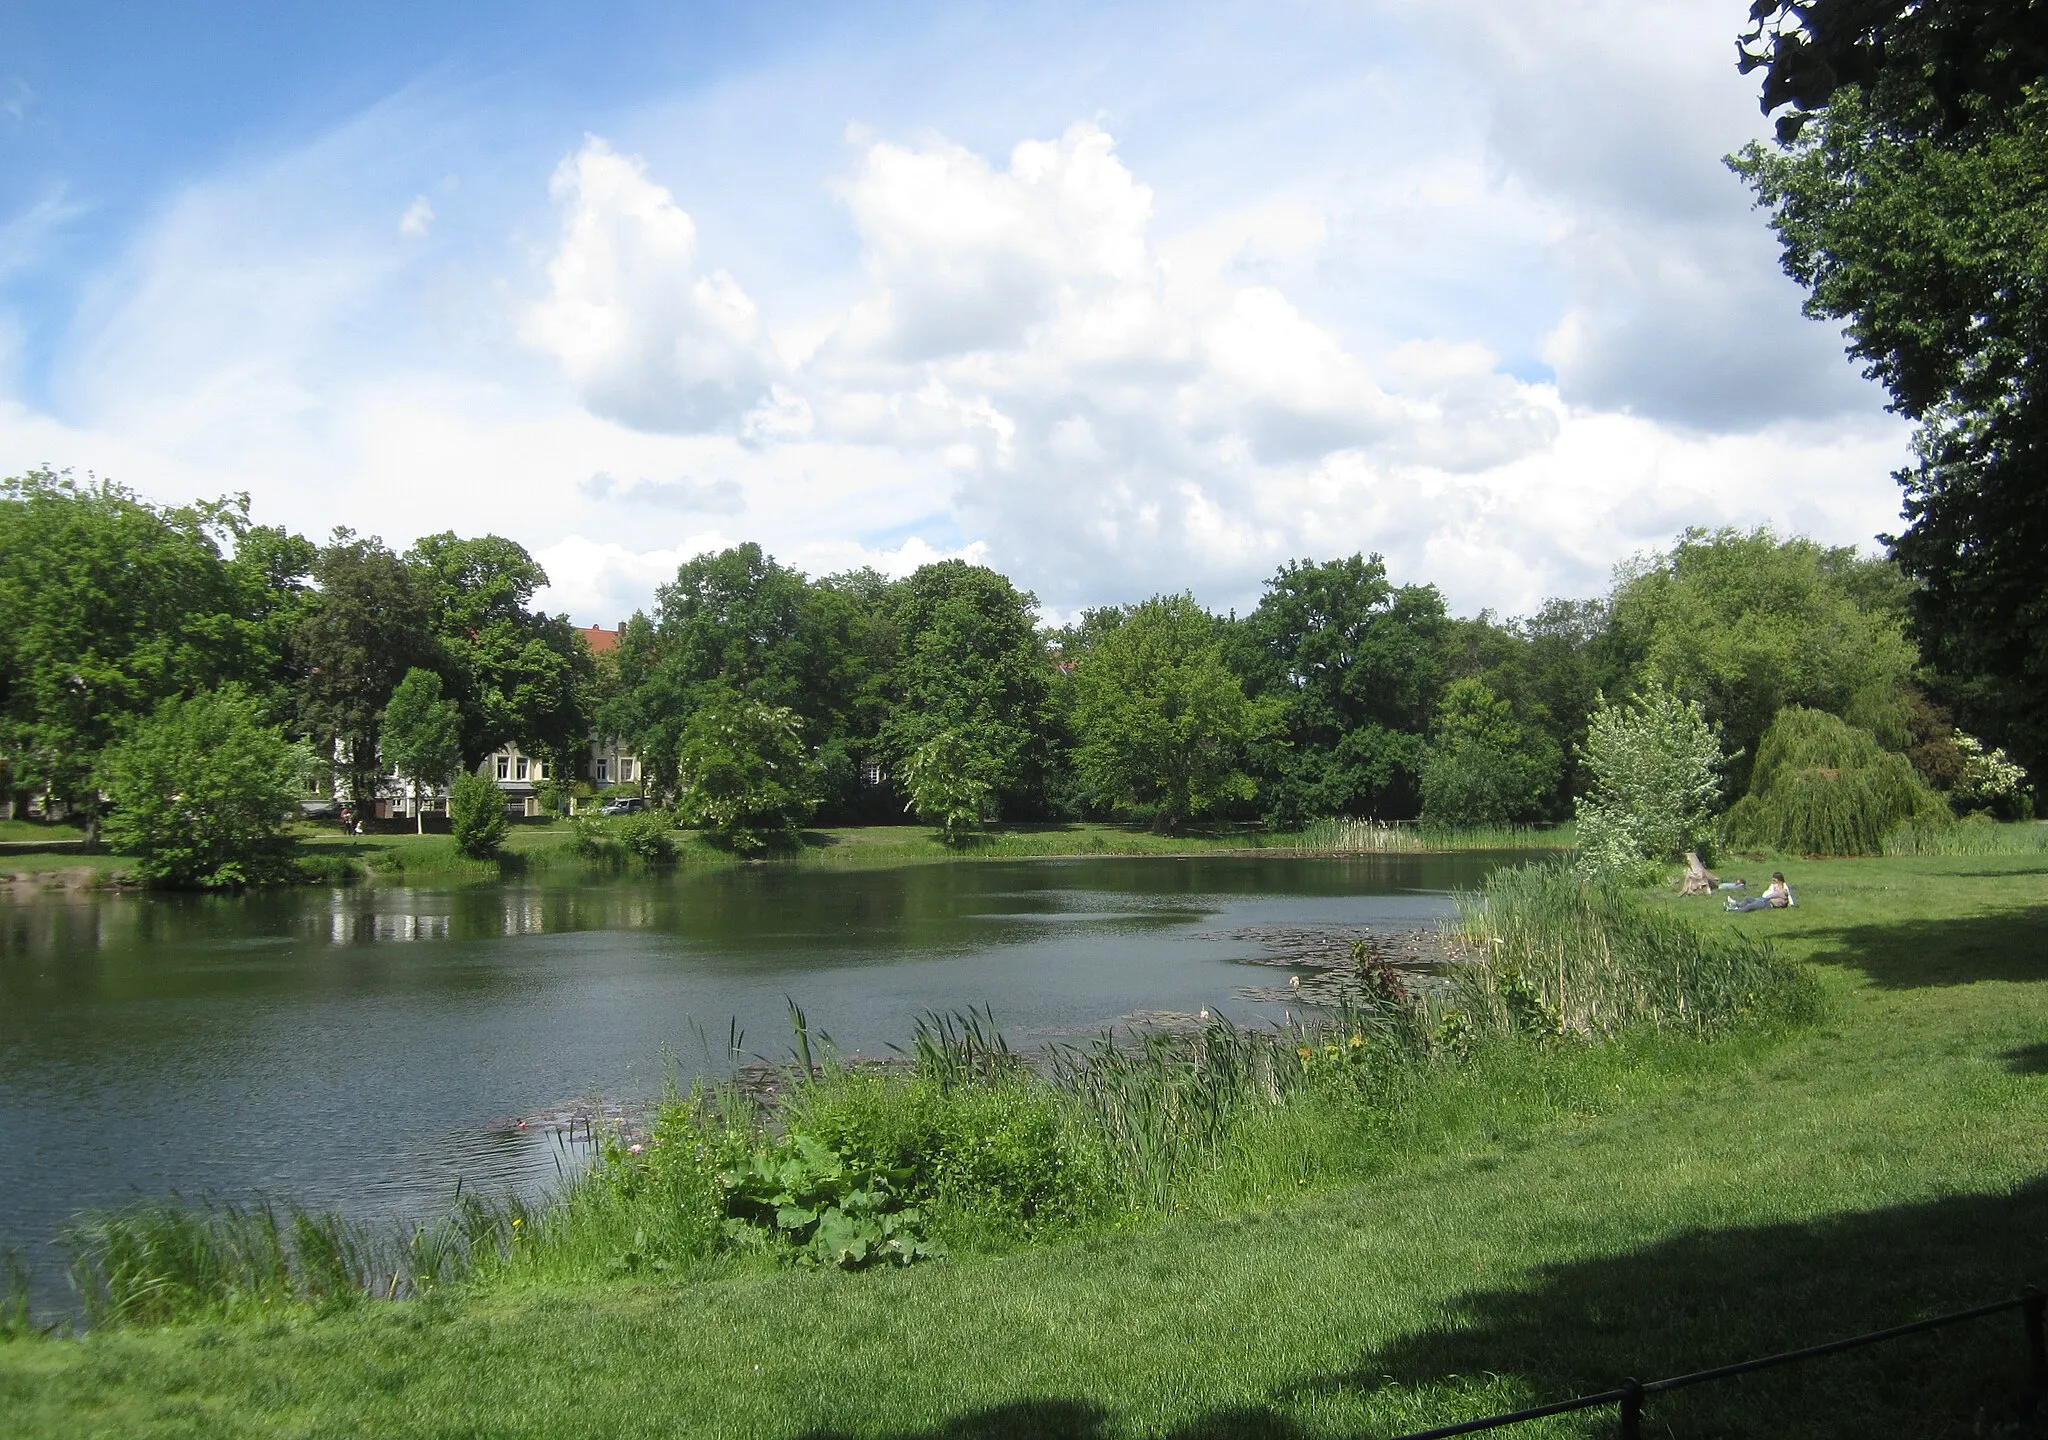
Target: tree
{"x":1162,"y":721}
{"x":1357,"y":664}
{"x":476,"y":814}
{"x":951,"y":781}
{"x":371,"y":622}
{"x":1655,"y":765}
{"x":1484,"y":767}
{"x":516,"y":675}
{"x":1823,"y":787}
{"x":203,"y":790}
{"x":746,"y":777}
{"x":972,"y":661}
{"x":1748,"y":623}
{"x":108,"y":605}
{"x":422,"y":738}
{"x":1910,"y":192}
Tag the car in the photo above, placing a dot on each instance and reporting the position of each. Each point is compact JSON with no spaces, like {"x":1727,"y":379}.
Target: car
{"x":320,"y":808}
{"x":624,"y":805}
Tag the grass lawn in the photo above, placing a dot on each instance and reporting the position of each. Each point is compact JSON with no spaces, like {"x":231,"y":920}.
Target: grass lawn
{"x":1523,"y":1233}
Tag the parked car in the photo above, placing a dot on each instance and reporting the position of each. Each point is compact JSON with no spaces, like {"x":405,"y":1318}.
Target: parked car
{"x":624,"y":805}
{"x":320,"y":808}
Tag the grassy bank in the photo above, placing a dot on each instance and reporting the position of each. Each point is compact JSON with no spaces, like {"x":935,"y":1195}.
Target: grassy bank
{"x":1537,"y":1222}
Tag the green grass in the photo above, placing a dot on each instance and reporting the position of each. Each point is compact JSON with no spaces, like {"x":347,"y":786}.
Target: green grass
{"x":40,"y":832}
{"x":1521,"y":1231}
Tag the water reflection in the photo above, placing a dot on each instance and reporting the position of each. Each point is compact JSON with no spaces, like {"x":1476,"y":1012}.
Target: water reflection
{"x":364,"y":1046}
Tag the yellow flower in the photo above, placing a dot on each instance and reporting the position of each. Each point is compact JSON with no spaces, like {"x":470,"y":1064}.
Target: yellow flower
{"x":1356,"y":1041}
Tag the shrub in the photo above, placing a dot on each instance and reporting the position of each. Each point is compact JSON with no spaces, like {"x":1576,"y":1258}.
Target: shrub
{"x":203,"y":792}
{"x":1655,"y":767}
{"x":746,"y":777}
{"x":1552,"y":954}
{"x":476,"y":813}
{"x":650,"y":836}
{"x":1823,"y":787}
{"x":594,"y":837}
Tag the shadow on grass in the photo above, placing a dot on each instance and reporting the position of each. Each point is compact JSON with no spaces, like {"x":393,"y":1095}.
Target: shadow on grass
{"x":1715,"y":1297}
{"x":2027,"y":1059}
{"x":1053,"y":1419}
{"x":1913,"y":954}
{"x":1689,"y":1303}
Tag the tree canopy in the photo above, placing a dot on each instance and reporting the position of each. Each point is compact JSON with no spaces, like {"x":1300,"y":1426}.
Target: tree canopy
{"x":1910,"y":193}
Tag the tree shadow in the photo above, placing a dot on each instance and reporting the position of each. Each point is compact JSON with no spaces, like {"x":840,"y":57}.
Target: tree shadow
{"x":1714,"y":1297}
{"x":1916,"y":954}
{"x":2027,"y":1059}
{"x":1063,"y":1419}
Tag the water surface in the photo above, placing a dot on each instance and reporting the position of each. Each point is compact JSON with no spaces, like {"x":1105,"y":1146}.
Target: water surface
{"x":366,"y":1047}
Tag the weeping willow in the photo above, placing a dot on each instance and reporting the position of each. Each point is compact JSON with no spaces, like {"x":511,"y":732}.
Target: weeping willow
{"x":1824,"y":787}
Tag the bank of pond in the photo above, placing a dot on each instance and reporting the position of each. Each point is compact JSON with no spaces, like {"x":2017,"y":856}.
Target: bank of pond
{"x":960,"y":1142}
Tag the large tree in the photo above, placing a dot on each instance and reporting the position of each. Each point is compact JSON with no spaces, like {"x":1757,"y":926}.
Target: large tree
{"x":972,"y":661}
{"x":109,"y":604}
{"x":1358,"y":664}
{"x":370,"y":622}
{"x":1747,"y":623}
{"x":1910,"y":191}
{"x":1163,"y":724}
{"x":517,"y":675}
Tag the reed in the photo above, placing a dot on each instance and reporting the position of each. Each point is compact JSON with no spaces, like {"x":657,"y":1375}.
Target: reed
{"x":1552,"y":955}
{"x":1346,"y":835}
{"x":159,"y":1262}
{"x":1977,"y":835}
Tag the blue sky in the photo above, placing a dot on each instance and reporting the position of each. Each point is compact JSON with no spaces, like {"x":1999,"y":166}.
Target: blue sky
{"x":1118,"y":298}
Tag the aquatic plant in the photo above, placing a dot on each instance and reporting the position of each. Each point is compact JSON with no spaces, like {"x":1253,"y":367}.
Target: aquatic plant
{"x":1550,"y":954}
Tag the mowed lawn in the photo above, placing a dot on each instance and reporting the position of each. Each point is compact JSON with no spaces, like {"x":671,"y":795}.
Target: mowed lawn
{"x":1535,"y":1230}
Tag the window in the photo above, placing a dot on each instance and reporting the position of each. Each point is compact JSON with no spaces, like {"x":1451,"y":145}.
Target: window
{"x":504,"y":767}
{"x":870,"y":773}
{"x":540,"y":769}
{"x":604,"y":772}
{"x":625,"y":771}
{"x":522,"y":768}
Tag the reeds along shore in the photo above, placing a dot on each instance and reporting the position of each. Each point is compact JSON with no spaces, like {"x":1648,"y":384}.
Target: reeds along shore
{"x":963,"y":1142}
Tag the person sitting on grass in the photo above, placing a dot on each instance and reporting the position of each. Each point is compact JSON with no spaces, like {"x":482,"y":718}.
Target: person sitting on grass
{"x":1777,"y":896}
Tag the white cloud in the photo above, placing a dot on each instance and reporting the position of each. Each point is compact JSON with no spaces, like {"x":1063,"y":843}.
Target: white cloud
{"x":645,"y":338}
{"x":418,"y":219}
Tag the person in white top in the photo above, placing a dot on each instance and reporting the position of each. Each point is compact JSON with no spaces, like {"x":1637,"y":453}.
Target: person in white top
{"x":1778,"y":896}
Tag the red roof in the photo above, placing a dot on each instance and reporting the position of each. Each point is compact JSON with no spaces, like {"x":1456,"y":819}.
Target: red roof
{"x":600,"y":639}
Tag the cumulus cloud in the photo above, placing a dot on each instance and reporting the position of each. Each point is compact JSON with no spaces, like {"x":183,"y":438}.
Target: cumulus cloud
{"x":418,"y":219}
{"x":643,"y":335}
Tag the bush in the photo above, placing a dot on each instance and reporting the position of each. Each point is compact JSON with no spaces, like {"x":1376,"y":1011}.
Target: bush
{"x":203,"y":791}
{"x":1823,"y":787}
{"x":650,"y":836}
{"x":746,"y":777}
{"x":595,"y":838}
{"x":476,"y":813}
{"x":1552,"y":954}
{"x":1655,"y":766}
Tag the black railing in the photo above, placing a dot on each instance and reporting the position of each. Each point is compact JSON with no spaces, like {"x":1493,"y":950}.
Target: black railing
{"x":1630,"y":1394}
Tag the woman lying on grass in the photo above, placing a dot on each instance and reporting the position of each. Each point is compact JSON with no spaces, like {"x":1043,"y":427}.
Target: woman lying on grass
{"x":1777,"y":896}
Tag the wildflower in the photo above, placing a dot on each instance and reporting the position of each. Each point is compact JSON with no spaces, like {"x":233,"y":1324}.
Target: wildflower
{"x":1356,"y":1041}
{"x":634,"y":1149}
{"x":1304,"y":1052}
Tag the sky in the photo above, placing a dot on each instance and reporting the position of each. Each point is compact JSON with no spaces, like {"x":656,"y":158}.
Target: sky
{"x":1116,"y":298}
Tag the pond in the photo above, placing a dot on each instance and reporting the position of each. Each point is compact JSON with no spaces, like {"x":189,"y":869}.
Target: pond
{"x":367,"y":1047}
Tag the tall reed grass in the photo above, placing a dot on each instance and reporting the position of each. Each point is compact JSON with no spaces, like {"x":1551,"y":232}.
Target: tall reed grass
{"x":1348,"y":836}
{"x":1552,"y":954}
{"x":1978,"y":835}
{"x":163,"y":1261}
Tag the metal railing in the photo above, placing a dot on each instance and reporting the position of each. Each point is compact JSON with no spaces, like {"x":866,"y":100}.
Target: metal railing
{"x":1630,"y":1394}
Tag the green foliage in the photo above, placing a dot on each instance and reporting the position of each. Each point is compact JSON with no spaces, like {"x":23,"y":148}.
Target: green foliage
{"x":952,"y":784}
{"x":476,"y":815}
{"x":1484,"y":768}
{"x":1552,"y":955}
{"x":1357,"y":665}
{"x":109,"y":605}
{"x":1747,"y":624}
{"x":799,"y":1195}
{"x":971,"y":661}
{"x":1976,"y":834}
{"x":1914,"y":214}
{"x":596,"y":838}
{"x":422,"y":737}
{"x":1822,"y":787}
{"x":203,"y":791}
{"x":1988,"y":777}
{"x":649,"y":836}
{"x":1163,"y":723}
{"x":370,"y":622}
{"x":516,"y":675}
{"x":746,"y":777}
{"x":1654,"y":766}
